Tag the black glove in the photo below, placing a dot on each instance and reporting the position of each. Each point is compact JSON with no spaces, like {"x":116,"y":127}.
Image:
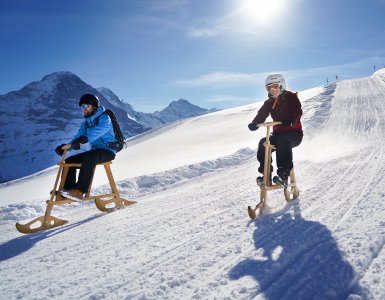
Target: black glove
{"x":253,"y":126}
{"x":59,"y":151}
{"x":288,"y":123}
{"x":75,"y":145}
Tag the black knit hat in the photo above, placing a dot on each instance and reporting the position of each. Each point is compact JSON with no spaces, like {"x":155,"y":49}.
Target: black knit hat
{"x":89,"y":99}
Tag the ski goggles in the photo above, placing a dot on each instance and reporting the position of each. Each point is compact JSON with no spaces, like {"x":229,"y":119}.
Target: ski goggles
{"x":272,"y":86}
{"x":84,"y":106}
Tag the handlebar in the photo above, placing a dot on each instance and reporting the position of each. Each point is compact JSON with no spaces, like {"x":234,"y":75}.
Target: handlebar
{"x":63,"y":156}
{"x":269,"y":124}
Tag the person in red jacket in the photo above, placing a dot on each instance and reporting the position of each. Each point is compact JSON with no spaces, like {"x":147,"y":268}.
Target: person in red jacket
{"x":283,"y":106}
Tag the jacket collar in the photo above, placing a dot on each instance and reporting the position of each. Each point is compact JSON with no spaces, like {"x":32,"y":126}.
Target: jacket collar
{"x":99,"y":111}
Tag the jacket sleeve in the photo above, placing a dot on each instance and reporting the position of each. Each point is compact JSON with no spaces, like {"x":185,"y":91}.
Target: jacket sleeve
{"x":80,"y":132}
{"x":263,"y":113}
{"x":93,"y":133}
{"x":296,"y":108}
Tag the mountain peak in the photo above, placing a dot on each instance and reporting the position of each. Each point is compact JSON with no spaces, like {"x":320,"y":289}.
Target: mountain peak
{"x":181,"y":101}
{"x":51,"y":81}
{"x":59,"y":76}
{"x":180,"y":109}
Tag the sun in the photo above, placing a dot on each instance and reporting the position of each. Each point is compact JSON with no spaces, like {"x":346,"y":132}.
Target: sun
{"x":262,"y":11}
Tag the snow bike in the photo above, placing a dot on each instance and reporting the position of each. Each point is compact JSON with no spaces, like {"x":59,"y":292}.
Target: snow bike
{"x":290,"y":192}
{"x":47,"y":221}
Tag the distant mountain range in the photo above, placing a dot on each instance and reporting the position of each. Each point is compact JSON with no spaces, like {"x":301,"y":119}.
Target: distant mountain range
{"x":44,"y":114}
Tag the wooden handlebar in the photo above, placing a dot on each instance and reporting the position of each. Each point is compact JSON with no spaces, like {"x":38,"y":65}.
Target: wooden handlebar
{"x":268,"y":124}
{"x":63,"y":156}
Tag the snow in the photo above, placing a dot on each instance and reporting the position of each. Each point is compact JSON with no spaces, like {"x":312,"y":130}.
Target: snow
{"x":189,"y":236}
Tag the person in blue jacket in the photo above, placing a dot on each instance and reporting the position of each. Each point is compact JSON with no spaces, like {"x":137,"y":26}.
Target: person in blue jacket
{"x":97,"y":130}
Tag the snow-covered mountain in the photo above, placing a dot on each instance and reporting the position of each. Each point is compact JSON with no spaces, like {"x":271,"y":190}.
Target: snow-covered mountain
{"x":148,"y":120}
{"x":45,"y":114}
{"x":189,"y":236}
{"x":175,"y":111}
{"x":181,"y":109}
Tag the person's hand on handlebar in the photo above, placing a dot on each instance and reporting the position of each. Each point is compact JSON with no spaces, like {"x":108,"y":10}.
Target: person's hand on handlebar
{"x":253,"y":126}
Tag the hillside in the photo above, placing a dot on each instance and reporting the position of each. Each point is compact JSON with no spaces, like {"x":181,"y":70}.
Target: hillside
{"x":189,"y":235}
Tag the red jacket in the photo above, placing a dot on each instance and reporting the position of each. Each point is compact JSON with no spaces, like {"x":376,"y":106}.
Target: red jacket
{"x":286,"y":107}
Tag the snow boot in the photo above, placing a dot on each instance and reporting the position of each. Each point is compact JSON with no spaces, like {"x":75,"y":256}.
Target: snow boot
{"x":260,"y":181}
{"x":73,"y":194}
{"x":281,"y":180}
{"x":59,"y":193}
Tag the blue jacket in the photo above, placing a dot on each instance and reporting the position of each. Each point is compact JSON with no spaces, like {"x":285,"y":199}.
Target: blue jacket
{"x":98,"y":134}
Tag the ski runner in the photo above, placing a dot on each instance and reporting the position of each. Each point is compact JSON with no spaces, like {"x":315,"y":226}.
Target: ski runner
{"x":285,"y":107}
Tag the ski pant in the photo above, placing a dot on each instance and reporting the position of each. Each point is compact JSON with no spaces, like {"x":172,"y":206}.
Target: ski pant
{"x":284,"y":142}
{"x":89,"y":160}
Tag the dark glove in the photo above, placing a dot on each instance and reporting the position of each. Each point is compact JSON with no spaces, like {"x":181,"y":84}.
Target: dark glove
{"x":288,"y":123}
{"x":75,"y":145}
{"x":253,"y":126}
{"x":59,"y":151}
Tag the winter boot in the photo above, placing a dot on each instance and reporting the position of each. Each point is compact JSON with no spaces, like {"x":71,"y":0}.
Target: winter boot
{"x":260,"y":181}
{"x":56,"y":193}
{"x":73,"y":194}
{"x":281,"y":180}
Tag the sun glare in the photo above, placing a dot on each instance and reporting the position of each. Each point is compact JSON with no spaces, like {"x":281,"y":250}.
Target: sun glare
{"x":262,"y":11}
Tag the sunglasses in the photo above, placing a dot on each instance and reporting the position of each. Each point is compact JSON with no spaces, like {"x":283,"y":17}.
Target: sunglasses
{"x":84,"y":106}
{"x":273,"y":86}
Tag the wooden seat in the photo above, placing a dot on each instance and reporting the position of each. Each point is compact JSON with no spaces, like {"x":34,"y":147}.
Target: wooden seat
{"x":107,"y":168}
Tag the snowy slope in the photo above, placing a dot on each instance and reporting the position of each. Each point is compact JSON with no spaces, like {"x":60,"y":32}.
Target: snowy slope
{"x":189,"y":236}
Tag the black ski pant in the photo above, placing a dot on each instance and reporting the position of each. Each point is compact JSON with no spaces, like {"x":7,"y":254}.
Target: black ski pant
{"x":89,"y":160}
{"x":284,"y":142}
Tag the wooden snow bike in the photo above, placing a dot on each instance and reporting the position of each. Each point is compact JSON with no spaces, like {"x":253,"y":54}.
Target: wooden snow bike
{"x":47,"y":221}
{"x":290,"y":193}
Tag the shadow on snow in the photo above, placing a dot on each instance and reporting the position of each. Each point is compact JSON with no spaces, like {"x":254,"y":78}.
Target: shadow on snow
{"x":21,"y":244}
{"x":299,"y":259}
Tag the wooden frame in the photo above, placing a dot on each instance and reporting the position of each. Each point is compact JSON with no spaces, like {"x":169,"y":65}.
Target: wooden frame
{"x":290,"y":193}
{"x":113,"y":201}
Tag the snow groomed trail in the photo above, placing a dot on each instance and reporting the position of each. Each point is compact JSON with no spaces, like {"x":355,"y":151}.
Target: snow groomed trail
{"x":189,"y":236}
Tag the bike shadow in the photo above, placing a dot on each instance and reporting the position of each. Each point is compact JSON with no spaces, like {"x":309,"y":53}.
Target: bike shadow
{"x":296,"y":259}
{"x":19,"y":245}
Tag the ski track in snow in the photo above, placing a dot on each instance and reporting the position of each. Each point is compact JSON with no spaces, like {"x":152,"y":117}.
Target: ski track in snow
{"x":189,"y":236}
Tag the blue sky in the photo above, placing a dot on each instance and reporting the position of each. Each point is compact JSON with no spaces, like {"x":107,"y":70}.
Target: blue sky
{"x":214,"y":53}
